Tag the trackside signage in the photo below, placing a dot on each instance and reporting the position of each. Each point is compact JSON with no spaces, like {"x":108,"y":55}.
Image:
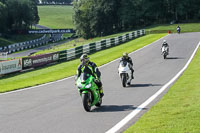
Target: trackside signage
{"x":40,"y":60}
{"x":10,"y":66}
{"x":51,"y":31}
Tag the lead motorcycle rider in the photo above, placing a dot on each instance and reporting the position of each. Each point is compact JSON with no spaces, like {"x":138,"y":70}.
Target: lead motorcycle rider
{"x":90,"y":67}
{"x":125,"y":57}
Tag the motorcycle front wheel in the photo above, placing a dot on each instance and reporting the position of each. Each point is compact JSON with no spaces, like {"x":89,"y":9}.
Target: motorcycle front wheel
{"x":86,"y":102}
{"x":164,"y":56}
{"x":123,"y":80}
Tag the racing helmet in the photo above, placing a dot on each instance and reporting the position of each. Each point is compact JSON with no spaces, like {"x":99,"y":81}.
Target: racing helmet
{"x":84,"y":59}
{"x":164,"y":41}
{"x":125,"y":55}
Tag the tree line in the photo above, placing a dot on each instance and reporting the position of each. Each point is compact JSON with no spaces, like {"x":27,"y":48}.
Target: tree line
{"x":103,"y":17}
{"x":17,"y":15}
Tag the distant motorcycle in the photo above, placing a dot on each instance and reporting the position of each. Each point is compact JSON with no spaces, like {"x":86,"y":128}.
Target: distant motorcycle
{"x":89,"y":91}
{"x":165,"y":51}
{"x":125,"y":73}
{"x":178,"y":30}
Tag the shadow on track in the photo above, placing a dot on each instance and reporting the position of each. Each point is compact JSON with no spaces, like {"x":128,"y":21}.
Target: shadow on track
{"x":173,"y":58}
{"x":144,"y":85}
{"x":115,"y":108}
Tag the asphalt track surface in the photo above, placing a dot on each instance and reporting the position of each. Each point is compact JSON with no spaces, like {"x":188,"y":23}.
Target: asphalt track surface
{"x":57,"y":107}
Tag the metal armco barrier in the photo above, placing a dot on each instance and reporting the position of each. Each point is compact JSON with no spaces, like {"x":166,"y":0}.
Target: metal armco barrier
{"x":62,"y":55}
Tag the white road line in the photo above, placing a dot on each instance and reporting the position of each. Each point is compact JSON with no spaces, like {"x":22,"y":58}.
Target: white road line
{"x":73,"y":76}
{"x":148,"y":101}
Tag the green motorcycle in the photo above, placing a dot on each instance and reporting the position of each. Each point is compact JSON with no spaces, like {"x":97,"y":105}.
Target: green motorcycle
{"x":89,"y":91}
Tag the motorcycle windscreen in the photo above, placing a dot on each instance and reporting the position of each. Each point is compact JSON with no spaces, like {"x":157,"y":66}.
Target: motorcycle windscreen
{"x":123,"y":63}
{"x":84,"y":77}
{"x":164,"y":48}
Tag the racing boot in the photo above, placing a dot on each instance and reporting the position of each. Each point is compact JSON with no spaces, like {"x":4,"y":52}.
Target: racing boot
{"x":132,"y":75}
{"x":101,"y":92}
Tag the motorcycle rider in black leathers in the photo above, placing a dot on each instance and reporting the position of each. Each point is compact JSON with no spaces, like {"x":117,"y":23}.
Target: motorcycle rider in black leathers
{"x":125,"y":57}
{"x":91,"y":68}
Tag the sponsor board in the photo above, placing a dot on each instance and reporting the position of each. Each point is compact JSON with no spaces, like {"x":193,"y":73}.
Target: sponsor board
{"x":10,"y":66}
{"x":39,"y":60}
{"x":51,"y":31}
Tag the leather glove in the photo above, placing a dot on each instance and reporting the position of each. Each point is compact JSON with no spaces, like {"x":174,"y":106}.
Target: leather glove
{"x":97,"y":80}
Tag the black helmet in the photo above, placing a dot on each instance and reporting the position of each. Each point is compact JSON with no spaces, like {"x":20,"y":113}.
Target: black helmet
{"x":84,"y":59}
{"x":125,"y":55}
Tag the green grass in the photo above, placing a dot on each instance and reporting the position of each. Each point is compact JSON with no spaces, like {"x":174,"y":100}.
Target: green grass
{"x":179,"y":110}
{"x":56,"y":17}
{"x":62,"y":70}
{"x":67,"y":35}
{"x":11,"y":39}
{"x":187,"y":27}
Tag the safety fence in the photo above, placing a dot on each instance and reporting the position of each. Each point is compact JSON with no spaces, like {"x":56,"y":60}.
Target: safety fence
{"x":65,"y":55}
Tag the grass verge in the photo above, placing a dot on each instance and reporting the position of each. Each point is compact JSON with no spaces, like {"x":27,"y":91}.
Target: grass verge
{"x":66,"y":69}
{"x":186,"y":27}
{"x":178,"y":111}
{"x":56,"y":17}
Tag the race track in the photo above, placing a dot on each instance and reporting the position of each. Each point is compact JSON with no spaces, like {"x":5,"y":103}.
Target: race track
{"x":57,"y":107}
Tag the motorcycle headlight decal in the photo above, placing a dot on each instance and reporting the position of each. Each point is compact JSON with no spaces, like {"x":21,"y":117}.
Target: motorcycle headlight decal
{"x":88,"y":85}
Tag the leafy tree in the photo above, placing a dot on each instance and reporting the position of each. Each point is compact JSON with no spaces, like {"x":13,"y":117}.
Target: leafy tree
{"x":109,"y":16}
{"x":3,"y":14}
{"x":103,"y":17}
{"x":3,"y":1}
{"x":95,"y":17}
{"x":21,"y":14}
{"x":82,"y":17}
{"x":34,"y":8}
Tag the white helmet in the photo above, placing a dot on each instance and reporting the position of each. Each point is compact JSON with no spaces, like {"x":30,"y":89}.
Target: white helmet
{"x":164,"y":41}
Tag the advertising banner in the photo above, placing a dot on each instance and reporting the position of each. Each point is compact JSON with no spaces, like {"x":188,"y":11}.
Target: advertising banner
{"x":10,"y":66}
{"x":51,"y":31}
{"x":39,"y":60}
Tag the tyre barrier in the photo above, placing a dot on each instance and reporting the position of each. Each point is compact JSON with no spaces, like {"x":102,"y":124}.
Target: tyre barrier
{"x":27,"y":45}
